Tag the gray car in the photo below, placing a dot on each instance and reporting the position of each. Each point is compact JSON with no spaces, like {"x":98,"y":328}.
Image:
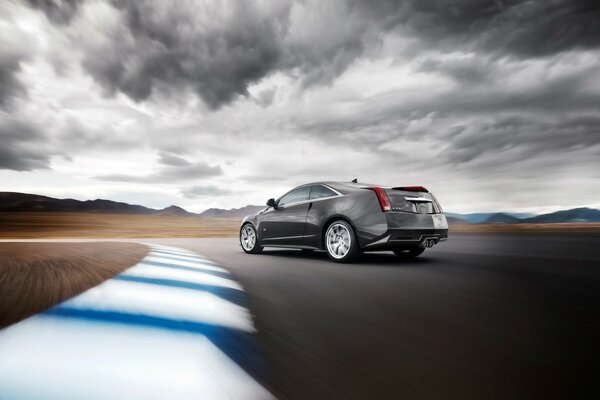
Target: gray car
{"x":347,"y":218}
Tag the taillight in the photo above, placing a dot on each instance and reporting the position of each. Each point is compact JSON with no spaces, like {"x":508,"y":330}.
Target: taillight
{"x":384,"y":200}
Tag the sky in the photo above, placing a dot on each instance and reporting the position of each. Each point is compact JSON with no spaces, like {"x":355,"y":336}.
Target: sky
{"x":492,"y":105}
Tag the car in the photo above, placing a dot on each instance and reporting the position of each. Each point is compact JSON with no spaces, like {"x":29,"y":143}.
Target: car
{"x":346,"y":219}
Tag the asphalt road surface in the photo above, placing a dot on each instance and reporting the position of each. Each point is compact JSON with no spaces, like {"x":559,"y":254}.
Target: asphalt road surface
{"x":478,"y":317}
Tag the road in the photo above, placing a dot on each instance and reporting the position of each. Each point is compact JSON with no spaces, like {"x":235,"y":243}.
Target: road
{"x":478,"y":317}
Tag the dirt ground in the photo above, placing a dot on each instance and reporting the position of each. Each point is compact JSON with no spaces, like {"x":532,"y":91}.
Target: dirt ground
{"x":25,"y":225}
{"x":36,"y":276}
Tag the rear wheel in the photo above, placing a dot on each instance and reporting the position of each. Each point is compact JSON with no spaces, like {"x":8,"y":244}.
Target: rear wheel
{"x":248,"y":239}
{"x":341,"y":243}
{"x":409,"y":253}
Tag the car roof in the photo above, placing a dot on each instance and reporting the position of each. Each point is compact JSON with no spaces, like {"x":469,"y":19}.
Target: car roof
{"x":341,"y":186}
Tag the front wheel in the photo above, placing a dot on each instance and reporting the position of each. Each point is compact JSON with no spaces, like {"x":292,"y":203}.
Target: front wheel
{"x":341,"y":243}
{"x":409,"y":253}
{"x":248,"y":240}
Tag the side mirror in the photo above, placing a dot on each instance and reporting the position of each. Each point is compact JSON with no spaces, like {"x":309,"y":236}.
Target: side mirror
{"x":271,"y":203}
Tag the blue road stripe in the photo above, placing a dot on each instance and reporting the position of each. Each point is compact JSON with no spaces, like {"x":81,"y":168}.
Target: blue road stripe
{"x":233,"y":295}
{"x":242,"y":347}
{"x":225,"y":275}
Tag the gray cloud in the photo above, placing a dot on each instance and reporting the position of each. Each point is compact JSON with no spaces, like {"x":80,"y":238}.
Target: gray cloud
{"x":524,"y":28}
{"x":180,"y":170}
{"x":10,"y":86}
{"x":58,"y":11}
{"x":217,"y":50}
{"x":446,"y":90}
{"x":13,"y":51}
{"x":524,"y":137}
{"x":21,"y":146}
{"x":173,"y":160}
{"x":196,"y":192}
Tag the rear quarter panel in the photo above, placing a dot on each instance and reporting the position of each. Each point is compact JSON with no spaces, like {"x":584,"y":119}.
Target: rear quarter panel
{"x":360,"y":208}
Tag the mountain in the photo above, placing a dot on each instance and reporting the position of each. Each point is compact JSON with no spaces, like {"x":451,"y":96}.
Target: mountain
{"x":475,"y":218}
{"x":502,"y":218}
{"x":232,"y":213}
{"x":481,"y":218}
{"x":583,"y":214}
{"x":24,"y":202}
{"x":573,"y":215}
{"x":173,"y":210}
{"x":455,"y":221}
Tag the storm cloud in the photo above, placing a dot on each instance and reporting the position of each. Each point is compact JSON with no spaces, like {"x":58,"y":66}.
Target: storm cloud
{"x":22,"y":146}
{"x":173,"y":169}
{"x":198,"y":97}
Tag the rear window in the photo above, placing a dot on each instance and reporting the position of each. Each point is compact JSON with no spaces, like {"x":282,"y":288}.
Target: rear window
{"x":413,"y":202}
{"x":320,"y":191}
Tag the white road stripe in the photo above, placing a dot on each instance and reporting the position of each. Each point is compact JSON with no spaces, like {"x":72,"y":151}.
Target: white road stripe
{"x":174,"y":250}
{"x":153,"y":258}
{"x":181,"y":258}
{"x":163,"y":301}
{"x":46,"y":357}
{"x":151,"y":271}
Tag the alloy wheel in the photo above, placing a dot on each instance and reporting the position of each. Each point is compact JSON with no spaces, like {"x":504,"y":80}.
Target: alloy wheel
{"x":248,"y":238}
{"x":338,"y":240}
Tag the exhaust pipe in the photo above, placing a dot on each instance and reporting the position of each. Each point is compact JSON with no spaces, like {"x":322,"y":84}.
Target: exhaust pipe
{"x":428,"y":243}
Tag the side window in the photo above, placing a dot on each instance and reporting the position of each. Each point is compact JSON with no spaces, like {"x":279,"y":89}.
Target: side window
{"x":295,"y":196}
{"x":320,"y":191}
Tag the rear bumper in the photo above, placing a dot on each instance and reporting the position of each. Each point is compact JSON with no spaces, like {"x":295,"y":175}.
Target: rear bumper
{"x":406,"y":230}
{"x":407,"y":238}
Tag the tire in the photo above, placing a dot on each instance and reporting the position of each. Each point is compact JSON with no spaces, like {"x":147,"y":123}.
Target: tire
{"x":341,"y":243}
{"x":409,"y":253}
{"x":249,"y":239}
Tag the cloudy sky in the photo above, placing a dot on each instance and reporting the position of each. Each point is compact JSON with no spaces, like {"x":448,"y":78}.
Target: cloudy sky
{"x":494,"y":105}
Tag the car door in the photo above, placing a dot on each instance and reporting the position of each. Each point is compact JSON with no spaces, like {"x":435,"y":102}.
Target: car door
{"x":321,"y":206}
{"x":284,"y":225}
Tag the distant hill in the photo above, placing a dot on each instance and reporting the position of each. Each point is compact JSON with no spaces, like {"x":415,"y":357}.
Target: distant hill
{"x":481,"y":218}
{"x":173,"y":210}
{"x":232,"y":213}
{"x":502,"y":218}
{"x":456,"y":221}
{"x":563,"y":216}
{"x":583,"y":214}
{"x":24,"y":202}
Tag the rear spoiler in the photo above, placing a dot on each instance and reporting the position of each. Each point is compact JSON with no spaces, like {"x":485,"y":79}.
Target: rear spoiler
{"x":411,"y":188}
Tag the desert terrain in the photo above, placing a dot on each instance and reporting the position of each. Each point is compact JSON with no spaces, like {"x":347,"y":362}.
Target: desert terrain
{"x":57,"y":225}
{"x":36,"y":276}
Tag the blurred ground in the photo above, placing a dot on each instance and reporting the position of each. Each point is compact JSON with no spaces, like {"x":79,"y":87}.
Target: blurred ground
{"x":485,"y":315}
{"x":482,"y":316}
{"x":35,"y":276}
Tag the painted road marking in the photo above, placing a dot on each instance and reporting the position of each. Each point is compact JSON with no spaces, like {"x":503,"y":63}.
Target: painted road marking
{"x":152,"y":271}
{"x":170,"y":327}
